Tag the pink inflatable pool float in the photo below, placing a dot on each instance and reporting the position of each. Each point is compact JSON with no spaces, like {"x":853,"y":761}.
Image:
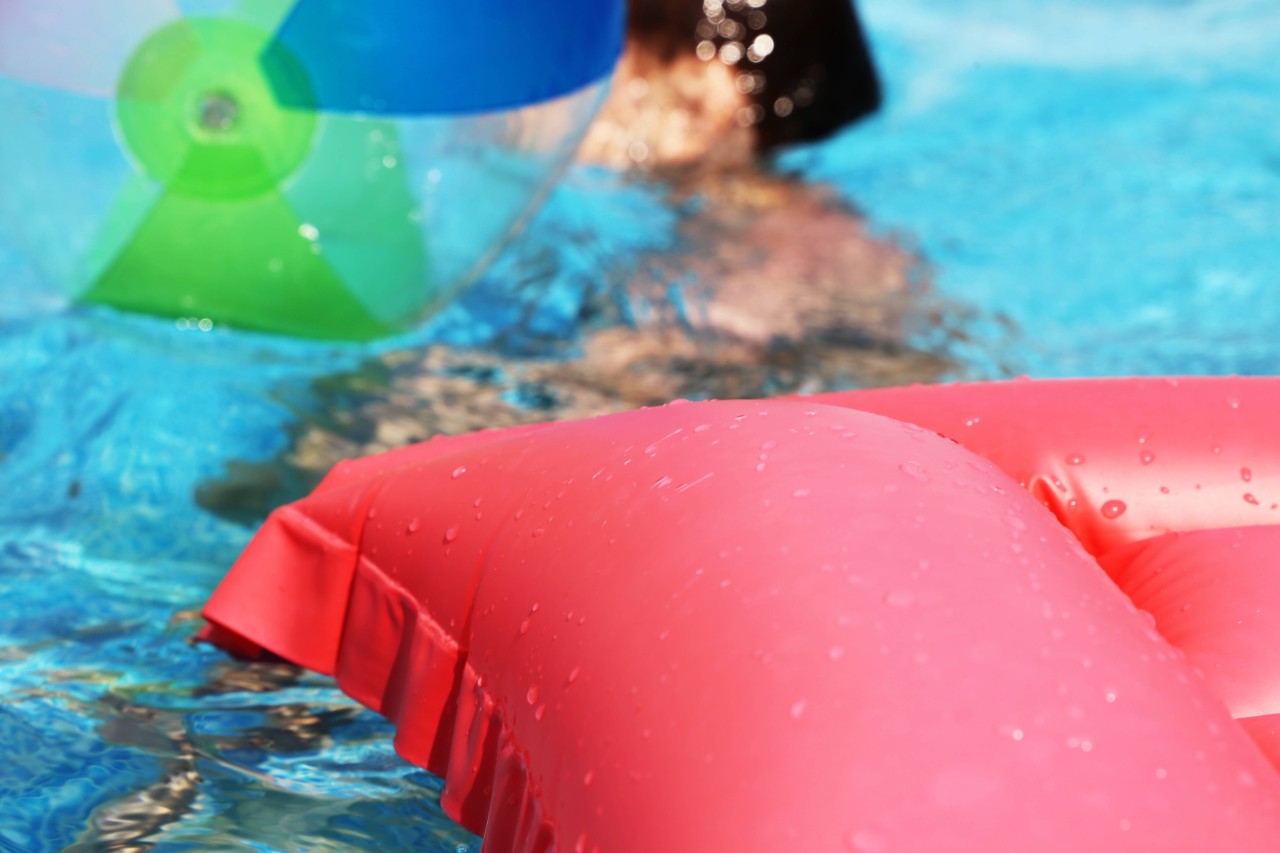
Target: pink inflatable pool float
{"x":1016,"y":616}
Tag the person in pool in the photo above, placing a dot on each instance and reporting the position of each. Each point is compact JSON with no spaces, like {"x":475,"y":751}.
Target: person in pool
{"x":792,"y":293}
{"x":722,"y":81}
{"x":783,"y":270}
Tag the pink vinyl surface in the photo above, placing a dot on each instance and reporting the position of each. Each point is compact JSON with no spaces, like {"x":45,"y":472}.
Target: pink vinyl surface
{"x":792,"y":624}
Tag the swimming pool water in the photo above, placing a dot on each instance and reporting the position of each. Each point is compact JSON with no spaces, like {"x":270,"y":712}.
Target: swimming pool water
{"x":112,"y":726}
{"x":1098,"y":182}
{"x":1105,"y":174}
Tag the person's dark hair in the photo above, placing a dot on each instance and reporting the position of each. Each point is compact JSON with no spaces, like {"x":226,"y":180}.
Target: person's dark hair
{"x":817,"y":76}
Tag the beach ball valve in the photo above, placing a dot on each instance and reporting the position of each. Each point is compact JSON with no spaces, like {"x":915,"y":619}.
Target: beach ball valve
{"x":323,"y":169}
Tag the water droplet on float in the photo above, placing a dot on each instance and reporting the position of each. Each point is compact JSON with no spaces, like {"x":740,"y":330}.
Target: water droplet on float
{"x":450,"y":534}
{"x":525,"y":625}
{"x":532,"y":696}
{"x":1147,"y":457}
{"x":915,"y":471}
{"x":1250,"y":499}
{"x":580,"y":846}
{"x":798,"y":707}
{"x":458,"y":472}
{"x":1015,"y":523}
{"x":900,"y":598}
{"x":1246,"y":474}
{"x":1113,"y":509}
{"x":1080,"y":743}
{"x":413,"y":526}
{"x":588,"y":778}
{"x":865,"y":841}
{"x":1075,"y":459}
{"x":573,"y":675}
{"x":540,"y":712}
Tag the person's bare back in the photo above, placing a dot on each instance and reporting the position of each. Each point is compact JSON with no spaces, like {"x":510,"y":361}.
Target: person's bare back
{"x":775,"y":284}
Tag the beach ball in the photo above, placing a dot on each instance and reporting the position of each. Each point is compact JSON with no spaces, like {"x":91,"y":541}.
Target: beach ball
{"x":321,"y":168}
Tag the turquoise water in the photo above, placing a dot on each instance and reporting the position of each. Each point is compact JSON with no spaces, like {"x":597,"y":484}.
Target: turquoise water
{"x":1106,"y":175}
{"x":112,"y":726}
{"x":1097,"y":184}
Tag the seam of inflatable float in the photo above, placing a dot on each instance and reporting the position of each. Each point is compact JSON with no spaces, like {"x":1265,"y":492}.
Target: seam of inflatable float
{"x":473,"y":748}
{"x":495,"y":771}
{"x":252,"y":636}
{"x":1048,"y":491}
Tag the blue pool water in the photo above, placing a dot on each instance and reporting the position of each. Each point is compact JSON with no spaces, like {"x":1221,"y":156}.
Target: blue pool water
{"x":1104,"y":174}
{"x":1095,"y":185}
